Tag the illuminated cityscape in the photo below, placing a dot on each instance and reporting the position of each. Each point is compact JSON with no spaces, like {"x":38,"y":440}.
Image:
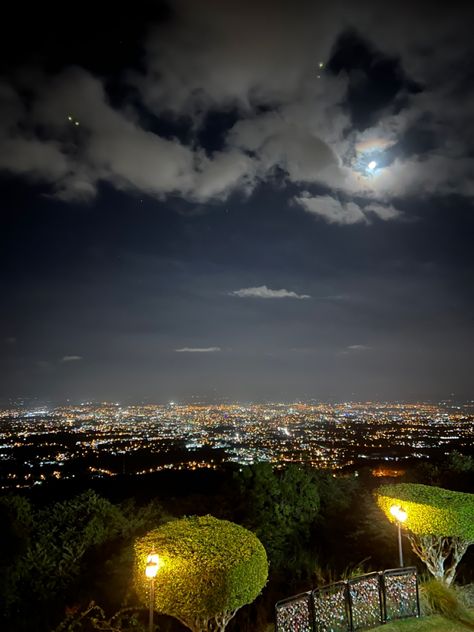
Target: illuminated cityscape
{"x":107,"y":439}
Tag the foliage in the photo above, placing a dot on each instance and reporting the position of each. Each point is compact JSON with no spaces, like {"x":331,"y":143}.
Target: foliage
{"x":458,"y":462}
{"x":431,"y":510}
{"x":435,"y":623}
{"x":280,"y":507}
{"x":328,"y":575}
{"x":209,"y":569}
{"x":371,"y":535}
{"x":437,"y":598}
{"x":69,"y":551}
{"x":465,"y":594}
{"x":94,"y":618}
{"x":340,"y":532}
{"x":440,"y":523}
{"x":336,"y":493}
{"x":16,"y":520}
{"x":64,"y":532}
{"x":454,"y":472}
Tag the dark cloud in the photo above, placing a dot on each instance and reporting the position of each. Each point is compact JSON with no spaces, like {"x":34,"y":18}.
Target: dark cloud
{"x":219,"y":54}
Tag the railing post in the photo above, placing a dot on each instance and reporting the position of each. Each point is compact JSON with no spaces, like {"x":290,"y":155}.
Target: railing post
{"x":349,"y":605}
{"x":382,"y":597}
{"x":417,"y":594}
{"x":312,"y":610}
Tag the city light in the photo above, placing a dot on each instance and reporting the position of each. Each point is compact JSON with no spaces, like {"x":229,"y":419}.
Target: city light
{"x":102,"y":440}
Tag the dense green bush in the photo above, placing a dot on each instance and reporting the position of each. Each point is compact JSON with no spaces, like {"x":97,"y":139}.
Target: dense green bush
{"x":209,"y":568}
{"x":431,"y":510}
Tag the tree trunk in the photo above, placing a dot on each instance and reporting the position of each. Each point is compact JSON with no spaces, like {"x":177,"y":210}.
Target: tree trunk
{"x":215,"y":624}
{"x":440,"y":554}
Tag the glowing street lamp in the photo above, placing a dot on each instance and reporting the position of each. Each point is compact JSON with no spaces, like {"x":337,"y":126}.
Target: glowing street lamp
{"x":151,"y":569}
{"x":400,"y":516}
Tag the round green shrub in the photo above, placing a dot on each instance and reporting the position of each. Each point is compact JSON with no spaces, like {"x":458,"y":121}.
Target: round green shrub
{"x":208,"y":567}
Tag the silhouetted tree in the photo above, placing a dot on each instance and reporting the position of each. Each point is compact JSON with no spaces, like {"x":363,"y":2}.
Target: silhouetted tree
{"x":280,"y":507}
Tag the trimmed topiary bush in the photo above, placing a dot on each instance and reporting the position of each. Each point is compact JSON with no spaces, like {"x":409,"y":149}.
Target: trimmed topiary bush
{"x":440,"y":523}
{"x":209,"y":568}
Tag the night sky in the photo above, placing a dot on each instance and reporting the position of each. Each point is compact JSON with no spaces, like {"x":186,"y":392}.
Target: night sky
{"x":246,"y":200}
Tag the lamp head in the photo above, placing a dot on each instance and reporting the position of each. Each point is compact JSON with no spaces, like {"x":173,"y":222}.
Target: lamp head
{"x":152,"y":565}
{"x":398,"y":513}
{"x":402,"y":515}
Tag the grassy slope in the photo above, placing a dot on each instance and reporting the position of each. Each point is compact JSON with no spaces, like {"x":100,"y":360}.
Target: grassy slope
{"x":425,"y":624}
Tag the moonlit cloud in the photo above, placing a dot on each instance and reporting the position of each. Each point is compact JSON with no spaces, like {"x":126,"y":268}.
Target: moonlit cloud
{"x":264,"y":292}
{"x":71,"y":358}
{"x":331,"y":210}
{"x":383,"y":211}
{"x":334,"y":211}
{"x":110,"y":146}
{"x":198,"y":350}
{"x":293,"y":117}
{"x":226,"y":171}
{"x":354,"y":350}
{"x":368,"y":143}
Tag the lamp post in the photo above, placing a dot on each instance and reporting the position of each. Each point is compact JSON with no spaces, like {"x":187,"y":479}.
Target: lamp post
{"x":400,"y":516}
{"x":151,"y":569}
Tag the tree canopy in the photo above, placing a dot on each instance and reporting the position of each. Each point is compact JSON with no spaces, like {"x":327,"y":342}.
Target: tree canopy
{"x":430,"y":510}
{"x":439,"y":523}
{"x":65,"y":554}
{"x":279,"y":506}
{"x":209,"y":568}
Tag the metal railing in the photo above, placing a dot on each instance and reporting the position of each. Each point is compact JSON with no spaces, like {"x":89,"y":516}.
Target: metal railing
{"x":359,"y":603}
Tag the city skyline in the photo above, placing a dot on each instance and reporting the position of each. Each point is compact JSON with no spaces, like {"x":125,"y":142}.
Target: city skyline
{"x":244,"y":201}
{"x":105,"y":440}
